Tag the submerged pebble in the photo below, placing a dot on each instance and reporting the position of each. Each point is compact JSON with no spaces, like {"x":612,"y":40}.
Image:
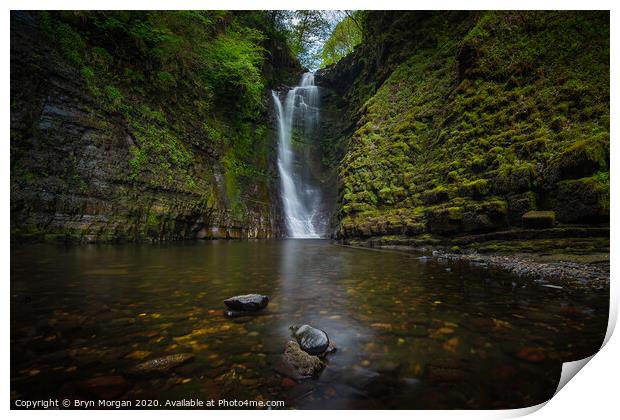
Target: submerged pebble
{"x":162,"y":364}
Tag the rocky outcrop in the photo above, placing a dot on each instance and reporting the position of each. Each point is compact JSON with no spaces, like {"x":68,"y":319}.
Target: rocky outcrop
{"x":446,"y":133}
{"x":81,"y":169}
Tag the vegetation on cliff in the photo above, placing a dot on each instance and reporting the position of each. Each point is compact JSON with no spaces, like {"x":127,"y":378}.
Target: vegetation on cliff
{"x":347,"y":34}
{"x":187,"y":87}
{"x":156,"y":124}
{"x":465,"y":121}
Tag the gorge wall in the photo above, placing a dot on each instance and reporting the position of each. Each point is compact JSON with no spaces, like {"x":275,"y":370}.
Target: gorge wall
{"x":144,"y":125}
{"x":461,"y":122}
{"x":159,"y":126}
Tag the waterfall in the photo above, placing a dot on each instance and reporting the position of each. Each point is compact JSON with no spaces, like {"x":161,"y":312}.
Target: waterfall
{"x":301,"y":196}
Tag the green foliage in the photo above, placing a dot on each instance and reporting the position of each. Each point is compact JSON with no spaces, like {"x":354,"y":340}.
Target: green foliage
{"x":233,"y":62}
{"x":501,"y":104}
{"x":306,"y":31}
{"x":88,"y":74}
{"x":161,"y":149}
{"x":114,"y":97}
{"x":204,"y":68}
{"x":345,"y":36}
{"x":71,"y":43}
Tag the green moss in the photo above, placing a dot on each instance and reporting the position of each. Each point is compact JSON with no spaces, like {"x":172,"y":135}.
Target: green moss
{"x":583,"y":157}
{"x":89,"y":74}
{"x":114,"y":97}
{"x":165,"y":80}
{"x":159,"y":148}
{"x":438,"y":194}
{"x":539,"y":219}
{"x":189,"y":88}
{"x":455,"y":213}
{"x":71,"y":43}
{"x":510,"y":104}
{"x":475,"y":189}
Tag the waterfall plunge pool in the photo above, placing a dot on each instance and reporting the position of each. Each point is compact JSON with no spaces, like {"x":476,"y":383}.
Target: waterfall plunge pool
{"x":410,"y":333}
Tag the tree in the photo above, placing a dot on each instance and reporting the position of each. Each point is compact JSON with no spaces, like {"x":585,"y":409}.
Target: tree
{"x":306,"y":31}
{"x":345,"y":36}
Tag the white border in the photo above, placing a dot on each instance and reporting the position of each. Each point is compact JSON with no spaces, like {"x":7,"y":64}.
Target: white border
{"x":593,"y":394}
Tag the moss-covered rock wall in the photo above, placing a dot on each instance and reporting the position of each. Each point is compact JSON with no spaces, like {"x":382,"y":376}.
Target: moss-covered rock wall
{"x":461,"y":122}
{"x":144,"y":125}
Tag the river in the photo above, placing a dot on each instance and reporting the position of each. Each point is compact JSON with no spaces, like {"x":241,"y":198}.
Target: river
{"x":411,"y":331}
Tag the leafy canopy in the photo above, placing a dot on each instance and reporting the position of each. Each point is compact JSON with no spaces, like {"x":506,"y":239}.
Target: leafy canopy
{"x":306,"y":31}
{"x":345,"y":36}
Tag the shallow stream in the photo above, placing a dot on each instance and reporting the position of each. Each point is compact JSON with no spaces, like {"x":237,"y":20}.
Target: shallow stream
{"x":411,"y":331}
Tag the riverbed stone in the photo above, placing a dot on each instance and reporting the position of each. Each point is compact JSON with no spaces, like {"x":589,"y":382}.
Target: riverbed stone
{"x":298,"y":364}
{"x":444,"y":371}
{"x":162,"y":365}
{"x":247,"y":303}
{"x":531,"y":354}
{"x":105,"y":387}
{"x":311,"y":340}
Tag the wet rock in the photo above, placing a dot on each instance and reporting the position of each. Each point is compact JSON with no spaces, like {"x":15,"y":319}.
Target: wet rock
{"x":359,"y":377}
{"x":311,"y":340}
{"x":297,"y":364}
{"x":212,"y":390}
{"x":330,"y":349}
{"x":162,"y":364}
{"x":411,"y":382}
{"x":247,"y":303}
{"x":388,"y":367}
{"x":531,"y":354}
{"x":231,"y":385}
{"x":104,"y":387}
{"x":86,"y":356}
{"x":299,"y":393}
{"x":444,"y":371}
{"x":571,"y":311}
{"x":288,"y":383}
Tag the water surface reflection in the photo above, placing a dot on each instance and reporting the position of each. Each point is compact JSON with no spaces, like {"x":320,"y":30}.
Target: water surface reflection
{"x":411,"y":332}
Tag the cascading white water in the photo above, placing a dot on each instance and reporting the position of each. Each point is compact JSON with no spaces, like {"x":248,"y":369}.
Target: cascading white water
{"x":301,"y":199}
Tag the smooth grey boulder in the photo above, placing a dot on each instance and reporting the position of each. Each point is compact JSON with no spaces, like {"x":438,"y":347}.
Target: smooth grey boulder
{"x":248,"y":303}
{"x":310,"y":339}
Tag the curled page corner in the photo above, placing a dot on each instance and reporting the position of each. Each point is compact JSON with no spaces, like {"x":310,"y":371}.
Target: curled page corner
{"x":569,"y":370}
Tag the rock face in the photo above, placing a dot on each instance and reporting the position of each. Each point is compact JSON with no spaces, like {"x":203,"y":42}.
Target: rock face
{"x":162,"y":365}
{"x":298,"y":364}
{"x":539,"y":219}
{"x":82,"y":168}
{"x":410,"y":170}
{"x":247,"y":303}
{"x":311,"y":340}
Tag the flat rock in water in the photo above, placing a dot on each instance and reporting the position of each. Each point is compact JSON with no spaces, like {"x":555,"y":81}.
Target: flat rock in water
{"x":312,"y":340}
{"x":162,"y":364}
{"x":247,"y":303}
